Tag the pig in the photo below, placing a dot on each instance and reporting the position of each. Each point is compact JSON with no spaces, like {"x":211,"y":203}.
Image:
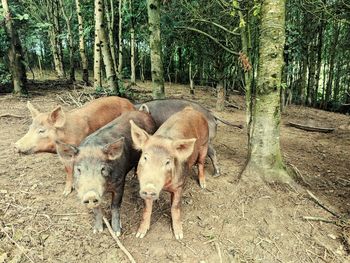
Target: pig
{"x":69,"y":127}
{"x":102,"y":161}
{"x":161,"y":110}
{"x":167,"y":156}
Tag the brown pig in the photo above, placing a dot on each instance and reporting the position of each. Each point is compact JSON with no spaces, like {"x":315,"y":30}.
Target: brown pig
{"x":69,"y":127}
{"x":167,"y":156}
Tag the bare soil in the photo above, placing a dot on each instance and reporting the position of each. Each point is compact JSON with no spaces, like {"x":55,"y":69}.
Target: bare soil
{"x":230,"y":221}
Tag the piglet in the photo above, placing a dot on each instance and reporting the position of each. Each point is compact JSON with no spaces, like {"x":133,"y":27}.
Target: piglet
{"x":102,"y":161}
{"x":167,"y":156}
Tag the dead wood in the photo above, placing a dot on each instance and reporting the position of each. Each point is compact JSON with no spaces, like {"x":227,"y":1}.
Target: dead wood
{"x":230,"y":104}
{"x":121,"y":246}
{"x":310,"y":128}
{"x":11,"y":115}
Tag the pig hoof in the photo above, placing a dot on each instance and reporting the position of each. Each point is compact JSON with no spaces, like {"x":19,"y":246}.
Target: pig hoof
{"x":179,"y":236}
{"x":98,"y":230}
{"x":140,"y":235}
{"x":66,"y":192}
{"x":216,"y":174}
{"x":202,"y":185}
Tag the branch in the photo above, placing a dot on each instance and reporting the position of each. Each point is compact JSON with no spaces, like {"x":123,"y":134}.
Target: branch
{"x":130,"y":257}
{"x":219,"y":26}
{"x":211,"y":37}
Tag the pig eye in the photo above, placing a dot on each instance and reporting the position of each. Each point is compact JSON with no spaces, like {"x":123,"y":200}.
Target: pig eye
{"x":104,"y":171}
{"x":77,"y":172}
{"x":144,"y":158}
{"x":167,"y":162}
{"x":41,"y":130}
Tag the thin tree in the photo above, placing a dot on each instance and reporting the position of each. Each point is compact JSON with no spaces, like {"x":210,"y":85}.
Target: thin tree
{"x":102,"y":40}
{"x":153,"y":10}
{"x":132,"y":46}
{"x":120,"y":39}
{"x":264,"y":153}
{"x":15,"y":54}
{"x":82,"y":51}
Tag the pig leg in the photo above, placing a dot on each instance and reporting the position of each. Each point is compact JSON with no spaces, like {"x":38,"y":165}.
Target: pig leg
{"x":98,"y":227}
{"x":146,"y":219}
{"x":69,"y":179}
{"x":214,"y":160}
{"x":201,"y":160}
{"x":116,"y":202}
{"x":176,"y":213}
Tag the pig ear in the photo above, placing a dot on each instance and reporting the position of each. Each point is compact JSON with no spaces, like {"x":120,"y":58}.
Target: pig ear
{"x":138,"y":135}
{"x":183,"y":148}
{"x":57,"y":117}
{"x":114,"y":150}
{"x":33,"y":111}
{"x":144,"y":108}
{"x":66,"y":151}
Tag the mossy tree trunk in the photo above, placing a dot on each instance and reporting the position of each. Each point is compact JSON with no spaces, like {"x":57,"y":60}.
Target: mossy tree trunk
{"x":264,"y":154}
{"x":15,"y":54}
{"x":153,"y":9}
{"x":111,"y":30}
{"x":120,"y":40}
{"x":82,"y":50}
{"x":104,"y":46}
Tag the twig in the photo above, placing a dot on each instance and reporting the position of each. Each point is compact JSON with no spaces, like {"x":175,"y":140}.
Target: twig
{"x":322,"y":205}
{"x":229,"y":104}
{"x":121,"y":246}
{"x":184,"y":244}
{"x":17,"y":245}
{"x":11,"y":115}
{"x":70,"y":214}
{"x":315,"y":218}
{"x":219,"y":250}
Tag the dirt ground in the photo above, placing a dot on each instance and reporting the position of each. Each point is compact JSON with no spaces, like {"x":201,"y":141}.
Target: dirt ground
{"x":230,"y":221}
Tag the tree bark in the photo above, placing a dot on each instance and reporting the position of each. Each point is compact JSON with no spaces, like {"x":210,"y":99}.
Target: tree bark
{"x":97,"y":63}
{"x":70,"y":42}
{"x":153,"y":9}
{"x":15,"y":54}
{"x":111,"y":31}
{"x":120,"y":40}
{"x":264,"y":155}
{"x":104,"y":45}
{"x":191,"y":77}
{"x":132,"y":47}
{"x":332,"y":55}
{"x":82,"y":50}
{"x":319,"y":60}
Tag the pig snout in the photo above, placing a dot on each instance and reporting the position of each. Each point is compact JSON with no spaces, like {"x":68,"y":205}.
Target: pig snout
{"x":149,"y":192}
{"x":91,"y":199}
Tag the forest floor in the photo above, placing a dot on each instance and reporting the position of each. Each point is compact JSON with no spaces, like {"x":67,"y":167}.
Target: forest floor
{"x":230,"y":221}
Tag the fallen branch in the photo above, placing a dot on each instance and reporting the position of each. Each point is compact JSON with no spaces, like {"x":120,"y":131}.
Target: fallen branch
{"x":315,"y":218}
{"x":315,"y":199}
{"x":229,"y":104}
{"x":219,"y":251}
{"x":121,"y":246}
{"x":310,"y":128}
{"x":17,"y":245}
{"x":11,"y":115}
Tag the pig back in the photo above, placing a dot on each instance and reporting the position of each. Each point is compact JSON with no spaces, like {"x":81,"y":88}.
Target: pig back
{"x":120,"y":127}
{"x":187,"y":124}
{"x":161,"y":110}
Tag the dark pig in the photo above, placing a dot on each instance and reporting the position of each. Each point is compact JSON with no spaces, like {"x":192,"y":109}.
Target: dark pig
{"x":161,"y":110}
{"x":167,"y":156}
{"x":69,"y":127}
{"x":102,"y":161}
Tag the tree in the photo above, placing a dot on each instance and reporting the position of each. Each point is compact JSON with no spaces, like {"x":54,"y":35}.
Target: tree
{"x":153,"y":10}
{"x":15,"y":54}
{"x":103,"y":43}
{"x":264,"y":154}
{"x":82,"y":51}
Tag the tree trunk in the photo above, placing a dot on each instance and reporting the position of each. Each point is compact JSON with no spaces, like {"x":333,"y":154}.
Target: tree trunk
{"x":111,"y":31}
{"x":220,"y":95}
{"x":82,"y":50}
{"x":120,"y":40}
{"x":104,"y":45}
{"x":97,"y":63}
{"x":191,"y":79}
{"x":15,"y":54}
{"x":57,"y":29}
{"x":153,"y":8}
{"x":70,"y":42}
{"x":332,"y":55}
{"x":264,"y":154}
{"x":311,"y":81}
{"x":319,"y":60}
{"x":132,"y":47}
